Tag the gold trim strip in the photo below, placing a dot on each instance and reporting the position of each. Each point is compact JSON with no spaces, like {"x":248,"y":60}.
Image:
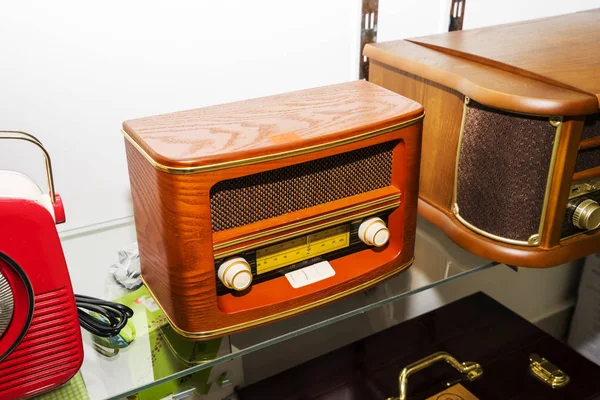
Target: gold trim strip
{"x":224,"y":331}
{"x":590,"y":233}
{"x":306,"y":222}
{"x":304,"y":231}
{"x":558,"y":129}
{"x":487,"y":234}
{"x":460,"y":140}
{"x":557,"y":123}
{"x":269,"y":157}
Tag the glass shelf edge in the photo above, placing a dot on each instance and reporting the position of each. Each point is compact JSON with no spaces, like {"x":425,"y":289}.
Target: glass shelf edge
{"x":298,"y":332}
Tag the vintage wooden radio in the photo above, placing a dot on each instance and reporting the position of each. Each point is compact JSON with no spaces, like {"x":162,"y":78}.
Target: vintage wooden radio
{"x":510,"y":168}
{"x":257,"y":210}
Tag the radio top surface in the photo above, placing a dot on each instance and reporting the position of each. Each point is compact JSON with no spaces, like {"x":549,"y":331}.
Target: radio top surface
{"x":547,"y":66}
{"x":269,"y":125}
{"x":563,"y":50}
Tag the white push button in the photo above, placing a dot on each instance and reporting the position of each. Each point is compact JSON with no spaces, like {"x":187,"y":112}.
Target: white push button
{"x":373,"y":232}
{"x":311,"y":274}
{"x":235,"y":273}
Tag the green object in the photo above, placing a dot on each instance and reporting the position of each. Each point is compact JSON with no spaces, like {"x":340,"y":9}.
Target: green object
{"x":72,"y":390}
{"x":171,"y":352}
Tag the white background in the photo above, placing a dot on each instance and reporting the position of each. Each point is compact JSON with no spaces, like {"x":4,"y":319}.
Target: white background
{"x":71,"y":72}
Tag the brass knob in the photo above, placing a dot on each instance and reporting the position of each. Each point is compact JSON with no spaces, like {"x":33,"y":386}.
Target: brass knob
{"x":587,"y":215}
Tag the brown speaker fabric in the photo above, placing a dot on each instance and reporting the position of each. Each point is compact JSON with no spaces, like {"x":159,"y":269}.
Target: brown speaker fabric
{"x":253,"y":198}
{"x":591,"y":128}
{"x":502,"y":171}
{"x":589,"y":158}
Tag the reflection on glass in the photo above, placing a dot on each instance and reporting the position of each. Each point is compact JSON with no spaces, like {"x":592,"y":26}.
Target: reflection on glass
{"x":161,"y":361}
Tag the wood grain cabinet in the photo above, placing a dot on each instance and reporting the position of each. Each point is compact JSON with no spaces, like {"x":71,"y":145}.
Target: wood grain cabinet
{"x":510,"y":168}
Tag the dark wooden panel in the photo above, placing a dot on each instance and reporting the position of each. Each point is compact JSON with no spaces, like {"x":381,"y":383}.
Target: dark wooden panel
{"x":475,"y":328}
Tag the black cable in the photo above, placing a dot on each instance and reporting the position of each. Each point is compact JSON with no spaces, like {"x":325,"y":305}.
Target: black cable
{"x":115,"y":315}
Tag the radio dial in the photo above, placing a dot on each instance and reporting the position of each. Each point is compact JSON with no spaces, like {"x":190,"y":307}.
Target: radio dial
{"x":587,"y":215}
{"x":373,"y":232}
{"x":235,"y":273}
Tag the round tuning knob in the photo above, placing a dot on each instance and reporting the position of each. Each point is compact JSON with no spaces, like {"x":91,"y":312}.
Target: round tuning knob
{"x":373,"y":232}
{"x":587,"y":215}
{"x":235,"y":273}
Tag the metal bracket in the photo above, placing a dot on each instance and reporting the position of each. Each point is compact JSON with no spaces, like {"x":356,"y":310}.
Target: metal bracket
{"x":368,"y":33}
{"x":457,"y":14}
{"x":547,"y":372}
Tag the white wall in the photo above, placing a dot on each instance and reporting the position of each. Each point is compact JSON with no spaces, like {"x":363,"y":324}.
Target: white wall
{"x":72,"y":72}
{"x":481,"y":13}
{"x":412,"y":18}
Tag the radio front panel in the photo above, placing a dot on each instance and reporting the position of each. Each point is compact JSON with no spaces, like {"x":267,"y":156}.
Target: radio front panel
{"x":257,"y":197}
{"x":282,"y":257}
{"x":583,"y":209}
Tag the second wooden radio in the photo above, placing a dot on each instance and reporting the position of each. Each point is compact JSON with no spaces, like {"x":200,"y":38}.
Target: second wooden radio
{"x":511,"y":142}
{"x":258,"y":210}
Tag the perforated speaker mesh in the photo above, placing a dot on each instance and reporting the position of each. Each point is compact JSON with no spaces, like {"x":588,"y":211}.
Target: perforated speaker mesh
{"x":502,"y":171}
{"x":591,"y":128}
{"x":253,"y":198}
{"x":7,"y":304}
{"x":589,"y":158}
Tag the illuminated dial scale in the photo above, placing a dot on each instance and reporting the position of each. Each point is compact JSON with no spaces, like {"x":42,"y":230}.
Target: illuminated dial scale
{"x":235,"y":272}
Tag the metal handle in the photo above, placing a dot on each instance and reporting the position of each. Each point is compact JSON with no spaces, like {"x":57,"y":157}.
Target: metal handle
{"x":471,"y":369}
{"x":18,"y":135}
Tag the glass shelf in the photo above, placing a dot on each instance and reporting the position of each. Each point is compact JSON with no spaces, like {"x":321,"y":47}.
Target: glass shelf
{"x":137,"y":367}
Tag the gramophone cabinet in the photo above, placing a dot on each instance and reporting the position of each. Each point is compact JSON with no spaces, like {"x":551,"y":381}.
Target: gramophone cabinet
{"x":510,"y":168}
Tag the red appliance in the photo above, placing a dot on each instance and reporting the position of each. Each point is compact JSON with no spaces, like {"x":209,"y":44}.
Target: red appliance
{"x":40,"y":338}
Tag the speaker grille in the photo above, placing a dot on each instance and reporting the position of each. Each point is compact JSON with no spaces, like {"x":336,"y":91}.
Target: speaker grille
{"x":502,"y":171}
{"x":6,"y":303}
{"x":590,"y":158}
{"x":49,"y":353}
{"x":591,"y":128}
{"x":587,"y":159}
{"x":253,"y":198}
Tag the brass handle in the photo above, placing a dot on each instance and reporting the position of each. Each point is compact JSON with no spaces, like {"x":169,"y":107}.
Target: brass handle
{"x":18,"y":135}
{"x":471,"y":369}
